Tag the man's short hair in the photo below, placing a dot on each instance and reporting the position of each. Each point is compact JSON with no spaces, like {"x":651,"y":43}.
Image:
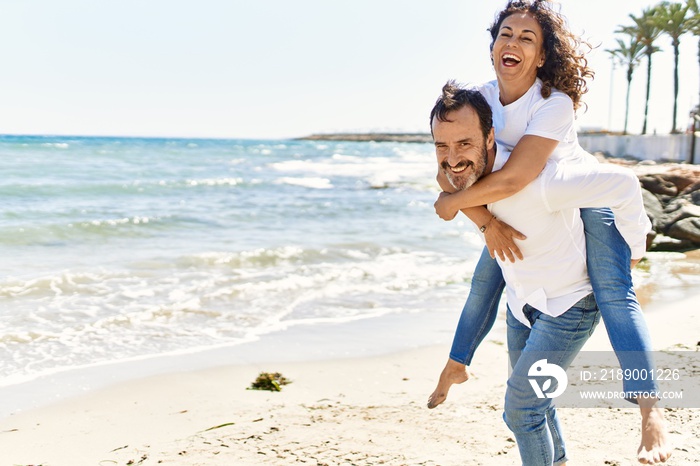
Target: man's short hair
{"x":454,"y":97}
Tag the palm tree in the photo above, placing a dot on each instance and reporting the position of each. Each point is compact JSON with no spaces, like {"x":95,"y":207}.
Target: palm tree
{"x":694,"y":20}
{"x":671,"y":19}
{"x":628,"y":55}
{"x":646,"y":31}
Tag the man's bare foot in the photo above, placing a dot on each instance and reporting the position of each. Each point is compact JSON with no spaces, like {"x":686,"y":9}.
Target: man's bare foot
{"x":453,"y":372}
{"x":654,"y":447}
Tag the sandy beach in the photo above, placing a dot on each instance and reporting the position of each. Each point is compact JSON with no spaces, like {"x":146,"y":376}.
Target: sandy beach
{"x":356,"y":411}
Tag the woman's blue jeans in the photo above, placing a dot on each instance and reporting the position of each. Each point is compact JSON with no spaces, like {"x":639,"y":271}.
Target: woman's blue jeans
{"x":550,"y":341}
{"x":608,"y":257}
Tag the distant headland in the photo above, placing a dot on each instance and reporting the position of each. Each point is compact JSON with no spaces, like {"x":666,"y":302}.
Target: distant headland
{"x":366,"y":137}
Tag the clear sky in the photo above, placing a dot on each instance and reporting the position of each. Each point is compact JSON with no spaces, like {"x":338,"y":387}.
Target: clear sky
{"x":280,"y":68}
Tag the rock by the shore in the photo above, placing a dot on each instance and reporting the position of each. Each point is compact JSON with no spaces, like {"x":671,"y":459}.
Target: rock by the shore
{"x":671,"y":193}
{"x":656,"y":184}
{"x":687,"y":228}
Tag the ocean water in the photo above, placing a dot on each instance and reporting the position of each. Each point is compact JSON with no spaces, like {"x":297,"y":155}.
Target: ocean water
{"x":116,"y":249}
{"x":121,"y":248}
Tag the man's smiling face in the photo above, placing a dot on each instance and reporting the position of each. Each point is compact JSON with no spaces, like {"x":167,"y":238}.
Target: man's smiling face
{"x":460,"y":147}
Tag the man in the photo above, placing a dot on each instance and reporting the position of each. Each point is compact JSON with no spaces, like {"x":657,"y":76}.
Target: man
{"x":552,"y":311}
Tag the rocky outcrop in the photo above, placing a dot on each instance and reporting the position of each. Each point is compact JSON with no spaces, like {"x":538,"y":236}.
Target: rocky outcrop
{"x":374,"y":137}
{"x":671,"y":195}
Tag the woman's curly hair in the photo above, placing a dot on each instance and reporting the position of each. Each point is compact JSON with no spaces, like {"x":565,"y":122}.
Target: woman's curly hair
{"x":565,"y":67}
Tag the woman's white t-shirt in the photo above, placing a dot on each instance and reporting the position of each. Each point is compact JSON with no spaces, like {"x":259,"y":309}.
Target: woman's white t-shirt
{"x":531,"y":114}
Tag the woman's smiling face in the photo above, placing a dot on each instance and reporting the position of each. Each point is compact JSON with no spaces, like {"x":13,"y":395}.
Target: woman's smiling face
{"x":517,"y":50}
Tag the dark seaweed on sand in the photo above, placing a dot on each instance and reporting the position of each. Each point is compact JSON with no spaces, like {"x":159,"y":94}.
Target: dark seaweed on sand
{"x":269,"y":381}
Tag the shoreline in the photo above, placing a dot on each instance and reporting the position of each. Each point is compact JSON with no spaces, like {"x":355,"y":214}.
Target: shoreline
{"x":367,"y":337}
{"x":372,"y":336}
{"x":301,"y":343}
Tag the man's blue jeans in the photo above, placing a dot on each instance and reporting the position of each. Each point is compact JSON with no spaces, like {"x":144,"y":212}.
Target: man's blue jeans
{"x":609,"y":270}
{"x":554,"y":341}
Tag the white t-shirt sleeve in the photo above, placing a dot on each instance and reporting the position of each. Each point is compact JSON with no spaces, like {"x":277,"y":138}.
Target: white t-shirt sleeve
{"x":601,"y":185}
{"x":552,"y":118}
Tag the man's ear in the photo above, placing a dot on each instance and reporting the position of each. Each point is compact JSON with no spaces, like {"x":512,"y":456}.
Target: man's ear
{"x":491,"y":139}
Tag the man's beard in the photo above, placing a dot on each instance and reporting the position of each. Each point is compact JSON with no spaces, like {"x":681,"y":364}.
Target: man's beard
{"x":476,"y":170}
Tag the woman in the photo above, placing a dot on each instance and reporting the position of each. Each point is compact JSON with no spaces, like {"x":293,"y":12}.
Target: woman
{"x":541,"y":76}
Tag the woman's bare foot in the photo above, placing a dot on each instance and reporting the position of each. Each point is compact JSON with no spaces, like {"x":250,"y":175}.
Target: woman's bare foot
{"x":453,"y":372}
{"x":654,"y":447}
